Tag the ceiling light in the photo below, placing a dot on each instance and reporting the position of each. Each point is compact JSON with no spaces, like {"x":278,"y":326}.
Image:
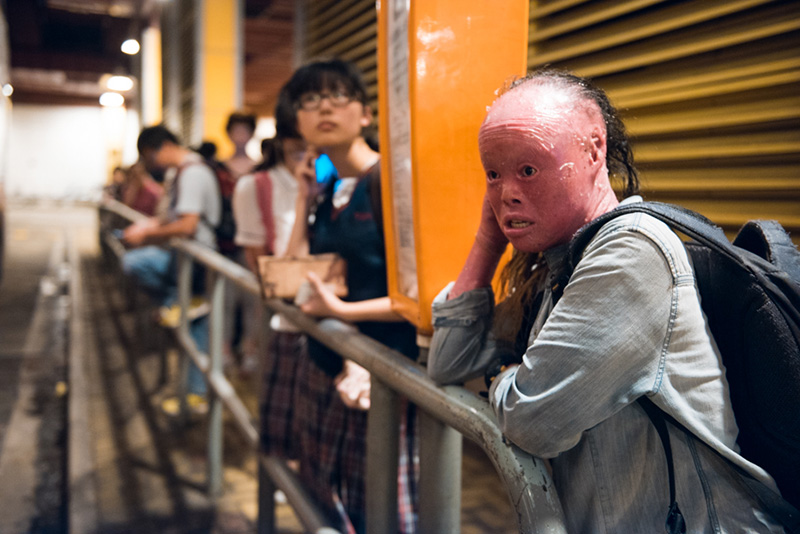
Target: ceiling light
{"x":8,"y":89}
{"x":119,"y":83}
{"x":111,"y":100}
{"x":130,"y":47}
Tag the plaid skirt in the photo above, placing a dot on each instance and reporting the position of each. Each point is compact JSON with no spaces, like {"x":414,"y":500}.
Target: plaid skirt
{"x":332,"y":452}
{"x":285,"y":351}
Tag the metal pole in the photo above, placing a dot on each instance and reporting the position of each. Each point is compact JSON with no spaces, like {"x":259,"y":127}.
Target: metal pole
{"x":184,"y":297}
{"x":266,"y":502}
{"x":266,"y":486}
{"x":383,"y":437}
{"x":216,"y":327}
{"x":440,"y":448}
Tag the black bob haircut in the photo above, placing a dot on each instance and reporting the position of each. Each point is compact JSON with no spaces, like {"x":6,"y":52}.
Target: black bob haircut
{"x":326,"y":75}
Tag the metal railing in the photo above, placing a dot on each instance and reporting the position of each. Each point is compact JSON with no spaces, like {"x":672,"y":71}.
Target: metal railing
{"x":444,"y":415}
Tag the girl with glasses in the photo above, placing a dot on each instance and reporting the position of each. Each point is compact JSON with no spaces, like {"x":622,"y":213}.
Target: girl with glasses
{"x":333,"y":115}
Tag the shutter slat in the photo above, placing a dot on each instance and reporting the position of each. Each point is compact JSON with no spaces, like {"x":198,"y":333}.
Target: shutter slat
{"x":346,"y":29}
{"x":769,"y":143}
{"x":642,"y":88}
{"x":331,"y":38}
{"x":541,"y":30}
{"x":676,"y":119}
{"x":541,"y":9}
{"x":652,"y":24}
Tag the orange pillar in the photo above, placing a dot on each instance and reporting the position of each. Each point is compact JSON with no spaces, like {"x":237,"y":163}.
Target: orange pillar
{"x":440,"y":64}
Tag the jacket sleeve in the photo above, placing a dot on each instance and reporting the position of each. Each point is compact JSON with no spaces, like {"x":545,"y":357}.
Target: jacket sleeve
{"x":462,"y":345}
{"x":601,"y":348}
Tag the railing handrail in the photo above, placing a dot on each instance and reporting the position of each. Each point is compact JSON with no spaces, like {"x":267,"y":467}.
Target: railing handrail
{"x":527,"y":481}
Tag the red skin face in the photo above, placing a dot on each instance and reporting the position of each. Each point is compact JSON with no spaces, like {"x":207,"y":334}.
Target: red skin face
{"x":544,"y":159}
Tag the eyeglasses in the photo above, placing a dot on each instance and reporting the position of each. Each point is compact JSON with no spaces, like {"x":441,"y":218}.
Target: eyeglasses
{"x":312,"y":101}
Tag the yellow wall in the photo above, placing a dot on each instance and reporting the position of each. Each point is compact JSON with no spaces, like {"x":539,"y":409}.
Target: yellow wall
{"x":218,"y":55}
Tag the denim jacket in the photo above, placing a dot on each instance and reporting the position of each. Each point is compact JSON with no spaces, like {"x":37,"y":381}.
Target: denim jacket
{"x":629,"y":324}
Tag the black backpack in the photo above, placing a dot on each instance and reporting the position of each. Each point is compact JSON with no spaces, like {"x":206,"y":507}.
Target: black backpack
{"x":750,"y":293}
{"x":225,"y":230}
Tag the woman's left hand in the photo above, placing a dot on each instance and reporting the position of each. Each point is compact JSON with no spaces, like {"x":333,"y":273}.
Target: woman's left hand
{"x":354,"y":386}
{"x":323,"y":302}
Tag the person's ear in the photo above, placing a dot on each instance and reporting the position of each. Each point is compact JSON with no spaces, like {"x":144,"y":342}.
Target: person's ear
{"x":597,"y":146}
{"x":366,"y":117}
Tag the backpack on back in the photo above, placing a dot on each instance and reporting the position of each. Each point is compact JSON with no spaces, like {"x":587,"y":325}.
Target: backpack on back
{"x":225,"y":230}
{"x":750,"y":293}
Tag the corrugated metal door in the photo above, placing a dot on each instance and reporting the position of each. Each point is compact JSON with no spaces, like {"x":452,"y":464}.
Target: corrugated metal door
{"x":346,"y":29}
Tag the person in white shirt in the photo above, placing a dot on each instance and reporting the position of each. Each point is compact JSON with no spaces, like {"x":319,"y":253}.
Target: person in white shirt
{"x":264,"y":209}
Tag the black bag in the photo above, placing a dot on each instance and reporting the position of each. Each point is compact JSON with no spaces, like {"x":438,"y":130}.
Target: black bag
{"x":750,"y":293}
{"x":225,"y":230}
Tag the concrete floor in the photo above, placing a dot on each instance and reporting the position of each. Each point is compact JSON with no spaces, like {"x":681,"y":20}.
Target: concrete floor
{"x":147,"y":473}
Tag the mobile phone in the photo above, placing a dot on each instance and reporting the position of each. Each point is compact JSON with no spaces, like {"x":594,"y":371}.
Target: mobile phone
{"x":324,"y":169}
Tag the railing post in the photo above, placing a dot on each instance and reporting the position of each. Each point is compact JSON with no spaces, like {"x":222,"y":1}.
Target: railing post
{"x":216,"y":327}
{"x":266,"y":502}
{"x":184,"y":297}
{"x":383,"y":437}
{"x":440,"y":448}
{"x":266,"y":486}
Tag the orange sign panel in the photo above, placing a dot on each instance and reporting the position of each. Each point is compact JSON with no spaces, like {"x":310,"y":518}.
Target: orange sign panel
{"x":440,"y":65}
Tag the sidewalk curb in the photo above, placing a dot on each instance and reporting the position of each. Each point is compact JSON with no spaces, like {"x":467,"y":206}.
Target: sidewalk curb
{"x":82,"y":485}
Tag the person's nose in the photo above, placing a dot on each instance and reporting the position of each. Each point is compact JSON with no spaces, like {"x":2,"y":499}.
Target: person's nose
{"x":511,"y":192}
{"x":325,"y":103}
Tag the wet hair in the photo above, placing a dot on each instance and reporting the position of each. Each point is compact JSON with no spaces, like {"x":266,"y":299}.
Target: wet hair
{"x":285,"y":128}
{"x":619,"y":153}
{"x":521,"y":277}
{"x":327,"y":74}
{"x":153,"y":137}
{"x":241,"y":117}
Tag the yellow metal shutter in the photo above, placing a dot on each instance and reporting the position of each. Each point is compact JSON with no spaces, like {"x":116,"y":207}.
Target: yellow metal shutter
{"x":708,"y":89}
{"x":346,"y":29}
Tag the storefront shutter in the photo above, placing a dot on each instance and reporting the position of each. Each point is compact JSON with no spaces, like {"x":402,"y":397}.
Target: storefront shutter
{"x":346,"y":29}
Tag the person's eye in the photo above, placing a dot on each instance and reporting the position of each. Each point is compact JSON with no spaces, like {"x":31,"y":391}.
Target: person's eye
{"x":492,"y":175}
{"x":527,"y":170}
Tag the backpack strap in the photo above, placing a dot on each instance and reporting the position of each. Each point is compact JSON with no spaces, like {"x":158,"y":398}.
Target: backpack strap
{"x":684,"y":220}
{"x":374,"y":186}
{"x":263,"y":182}
{"x":675,"y":522}
{"x":769,"y":240}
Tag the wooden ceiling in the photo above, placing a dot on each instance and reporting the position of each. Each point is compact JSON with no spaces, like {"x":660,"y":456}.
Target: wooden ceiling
{"x":61,"y":48}
{"x":268,"y":56}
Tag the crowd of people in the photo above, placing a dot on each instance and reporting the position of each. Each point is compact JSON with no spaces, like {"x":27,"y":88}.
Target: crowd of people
{"x":566,"y":360}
